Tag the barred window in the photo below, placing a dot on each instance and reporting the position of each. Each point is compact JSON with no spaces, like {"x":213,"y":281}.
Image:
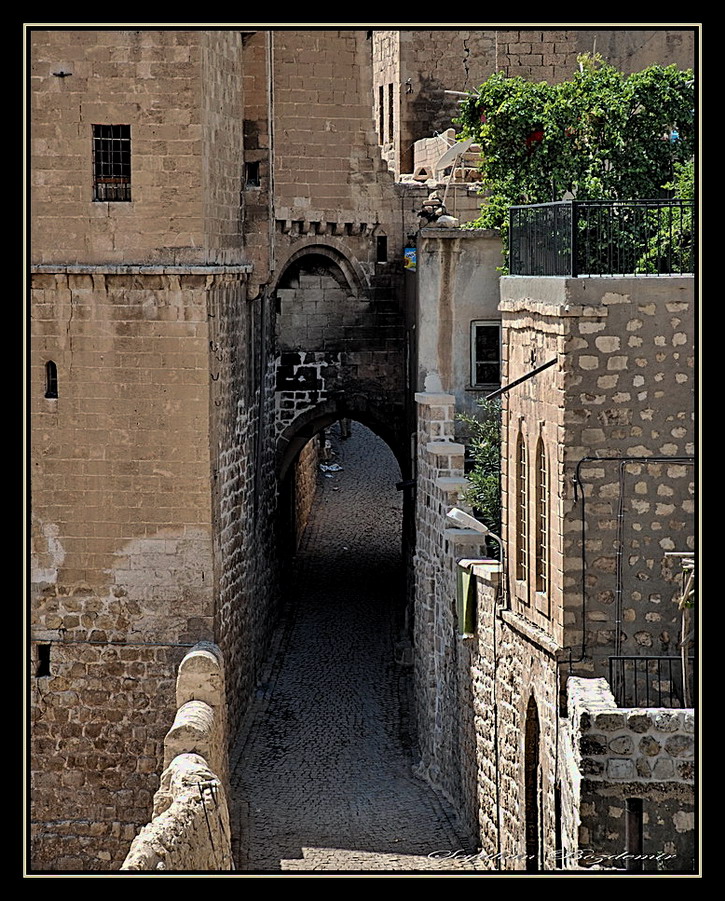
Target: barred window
{"x":522,"y":502}
{"x":542,"y":512}
{"x":112,"y":162}
{"x":485,"y":353}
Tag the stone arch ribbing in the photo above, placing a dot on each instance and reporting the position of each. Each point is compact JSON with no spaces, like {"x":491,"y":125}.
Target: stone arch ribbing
{"x":334,"y":250}
{"x":313,"y":420}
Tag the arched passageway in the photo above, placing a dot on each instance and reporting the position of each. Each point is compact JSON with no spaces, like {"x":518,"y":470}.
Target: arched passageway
{"x":322,"y":769}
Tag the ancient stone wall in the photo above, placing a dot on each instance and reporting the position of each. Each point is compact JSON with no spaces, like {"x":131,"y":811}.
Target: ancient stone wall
{"x":623,"y":390}
{"x":222,"y":163}
{"x":619,"y":754}
{"x":149,"y":80}
{"x":243,"y":484}
{"x":121,"y":554}
{"x":439,"y":484}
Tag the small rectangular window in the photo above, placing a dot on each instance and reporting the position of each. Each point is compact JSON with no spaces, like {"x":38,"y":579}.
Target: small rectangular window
{"x":43,"y":668}
{"x":485,"y":354}
{"x":251,"y":178}
{"x":381,"y":248}
{"x":112,"y":163}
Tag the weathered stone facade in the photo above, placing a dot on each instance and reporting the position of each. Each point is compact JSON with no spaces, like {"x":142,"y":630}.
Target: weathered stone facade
{"x":597,"y":447}
{"x":187,"y":345}
{"x":152,"y":393}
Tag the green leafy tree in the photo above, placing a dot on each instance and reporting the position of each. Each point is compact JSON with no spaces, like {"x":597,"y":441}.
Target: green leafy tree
{"x":602,"y":135}
{"x":671,"y":247}
{"x":484,"y":493}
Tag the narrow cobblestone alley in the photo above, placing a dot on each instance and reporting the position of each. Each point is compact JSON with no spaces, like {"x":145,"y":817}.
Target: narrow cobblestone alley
{"x":322,"y":768}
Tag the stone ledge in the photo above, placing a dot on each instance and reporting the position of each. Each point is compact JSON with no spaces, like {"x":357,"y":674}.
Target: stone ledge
{"x":139,"y":269}
{"x":530,"y":631}
{"x":451,"y":484}
{"x":432,"y":399}
{"x":445,"y":448}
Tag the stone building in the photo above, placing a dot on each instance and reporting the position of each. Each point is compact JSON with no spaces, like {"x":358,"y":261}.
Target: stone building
{"x":219,"y":221}
{"x":518,"y":721}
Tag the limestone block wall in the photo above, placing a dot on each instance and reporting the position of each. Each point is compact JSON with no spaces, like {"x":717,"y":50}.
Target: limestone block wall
{"x":190,"y":827}
{"x":122,"y":550}
{"x":180,"y":93}
{"x":221,"y":85}
{"x":511,"y":679}
{"x":629,"y":753}
{"x":243,"y":483}
{"x":439,"y":483}
{"x":623,"y":388}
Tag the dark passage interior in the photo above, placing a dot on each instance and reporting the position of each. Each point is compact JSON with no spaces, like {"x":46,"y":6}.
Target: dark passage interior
{"x":322,"y":769}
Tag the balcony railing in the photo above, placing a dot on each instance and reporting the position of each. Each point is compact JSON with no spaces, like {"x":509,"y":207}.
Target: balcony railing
{"x":652,"y":681}
{"x":586,"y":238}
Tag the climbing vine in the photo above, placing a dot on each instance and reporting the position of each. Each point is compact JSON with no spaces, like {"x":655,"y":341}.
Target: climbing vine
{"x":602,"y":135}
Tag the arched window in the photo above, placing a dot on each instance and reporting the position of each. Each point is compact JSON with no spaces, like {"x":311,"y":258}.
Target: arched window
{"x":522,"y":503}
{"x":51,"y":379}
{"x":542,"y":519}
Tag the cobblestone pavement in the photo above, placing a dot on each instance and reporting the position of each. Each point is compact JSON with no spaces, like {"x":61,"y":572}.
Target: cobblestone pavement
{"x":321,"y":771}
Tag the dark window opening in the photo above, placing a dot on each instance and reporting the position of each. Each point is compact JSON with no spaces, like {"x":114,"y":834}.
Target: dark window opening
{"x":43,"y":660}
{"x":112,"y":162}
{"x":390,"y":113}
{"x":486,"y":354}
{"x":51,"y":379}
{"x":251,"y":175}
{"x":634,"y":832}
{"x":381,"y":114}
{"x":381,"y":245}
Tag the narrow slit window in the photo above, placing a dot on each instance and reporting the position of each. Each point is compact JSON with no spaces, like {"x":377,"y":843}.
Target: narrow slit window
{"x":542,"y":511}
{"x":390,"y":113}
{"x":112,"y":163}
{"x":522,"y":503}
{"x":381,"y":248}
{"x":251,"y":177}
{"x":43,"y":661}
{"x":51,"y":379}
{"x":381,"y":114}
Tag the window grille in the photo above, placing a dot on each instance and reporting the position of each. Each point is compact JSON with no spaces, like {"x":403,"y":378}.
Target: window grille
{"x":522,"y":502}
{"x":542,"y":543}
{"x":485,"y":354}
{"x":112,"y":162}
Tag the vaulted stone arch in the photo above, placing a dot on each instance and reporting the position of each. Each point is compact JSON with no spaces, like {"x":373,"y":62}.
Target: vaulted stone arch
{"x":311,"y":421}
{"x":330,"y":249}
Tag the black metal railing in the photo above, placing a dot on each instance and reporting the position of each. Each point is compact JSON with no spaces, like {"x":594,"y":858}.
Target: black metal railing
{"x":652,"y":681}
{"x":584,"y":238}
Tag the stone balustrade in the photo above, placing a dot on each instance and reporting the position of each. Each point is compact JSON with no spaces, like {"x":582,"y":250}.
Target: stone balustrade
{"x":190,"y":827}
